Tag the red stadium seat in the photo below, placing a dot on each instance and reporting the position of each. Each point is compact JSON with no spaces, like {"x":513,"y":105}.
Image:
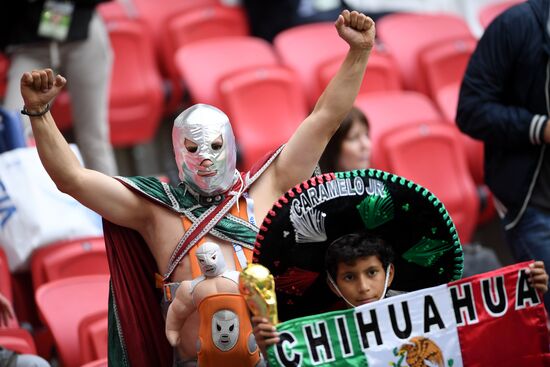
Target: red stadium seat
{"x":99,"y":363}
{"x":84,"y":256}
{"x":442,"y":65}
{"x":431,"y":154}
{"x":4,"y":66}
{"x":405,"y":35}
{"x":136,"y":95}
{"x":389,"y":110}
{"x":62,"y":112}
{"x":204,"y":63}
{"x":381,"y":75}
{"x":6,"y":286}
{"x":18,"y":340}
{"x":77,"y":298}
{"x":156,"y":14}
{"x":489,"y":12}
{"x":5,"y":276}
{"x":265,"y":105}
{"x":92,"y":333}
{"x":197,"y":24}
{"x":305,"y":48}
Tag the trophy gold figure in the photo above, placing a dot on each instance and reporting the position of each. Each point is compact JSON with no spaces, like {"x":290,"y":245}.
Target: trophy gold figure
{"x":257,"y":286}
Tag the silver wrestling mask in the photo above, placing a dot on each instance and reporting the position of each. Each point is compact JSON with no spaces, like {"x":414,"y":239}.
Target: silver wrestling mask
{"x":211,"y":260}
{"x":202,"y":124}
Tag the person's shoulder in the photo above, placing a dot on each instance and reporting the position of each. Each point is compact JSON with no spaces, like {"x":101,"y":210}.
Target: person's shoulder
{"x":159,"y":191}
{"x":521,"y":14}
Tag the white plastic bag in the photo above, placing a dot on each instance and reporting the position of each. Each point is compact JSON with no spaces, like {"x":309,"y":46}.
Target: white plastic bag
{"x":33,"y":212}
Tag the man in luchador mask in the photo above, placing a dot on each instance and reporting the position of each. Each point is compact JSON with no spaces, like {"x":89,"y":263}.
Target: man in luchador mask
{"x":153,"y":228}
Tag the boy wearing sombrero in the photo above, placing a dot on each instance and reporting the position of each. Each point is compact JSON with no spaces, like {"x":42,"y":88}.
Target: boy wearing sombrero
{"x":342,"y":225}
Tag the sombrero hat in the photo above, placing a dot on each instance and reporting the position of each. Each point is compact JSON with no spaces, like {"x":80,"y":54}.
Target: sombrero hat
{"x":301,"y":225}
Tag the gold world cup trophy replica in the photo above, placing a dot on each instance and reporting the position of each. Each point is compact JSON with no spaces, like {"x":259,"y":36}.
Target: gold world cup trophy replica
{"x":257,"y":286}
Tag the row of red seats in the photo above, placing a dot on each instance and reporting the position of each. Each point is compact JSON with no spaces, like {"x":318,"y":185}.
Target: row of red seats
{"x":70,"y":284}
{"x":143,"y":31}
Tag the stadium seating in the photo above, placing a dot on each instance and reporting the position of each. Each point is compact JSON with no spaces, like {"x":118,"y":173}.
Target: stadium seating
{"x":98,"y":363}
{"x":5,"y":276}
{"x":315,"y":51}
{"x":17,"y":339}
{"x":77,"y":298}
{"x":84,"y":256}
{"x":382,"y":73}
{"x":156,"y":15}
{"x":4,"y":66}
{"x":205,"y":63}
{"x":442,"y":65}
{"x":92,"y":334}
{"x":406,"y":34}
{"x":265,"y":105}
{"x":389,"y":110}
{"x":136,"y":93}
{"x":431,"y":154}
{"x":304,"y":48}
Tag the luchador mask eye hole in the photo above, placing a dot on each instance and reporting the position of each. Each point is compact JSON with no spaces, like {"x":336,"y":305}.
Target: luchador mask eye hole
{"x":190,"y":146}
{"x":218,"y":327}
{"x":217,"y":144}
{"x":232,"y":327}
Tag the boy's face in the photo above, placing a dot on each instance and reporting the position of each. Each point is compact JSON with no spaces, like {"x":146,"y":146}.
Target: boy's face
{"x":363,"y":281}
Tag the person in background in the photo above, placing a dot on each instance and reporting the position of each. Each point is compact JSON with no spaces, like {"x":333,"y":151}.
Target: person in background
{"x":70,"y":37}
{"x":9,"y":358}
{"x":504,"y":102}
{"x":350,"y":147}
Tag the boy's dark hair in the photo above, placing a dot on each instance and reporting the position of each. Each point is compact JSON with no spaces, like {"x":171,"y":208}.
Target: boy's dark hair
{"x":348,"y":248}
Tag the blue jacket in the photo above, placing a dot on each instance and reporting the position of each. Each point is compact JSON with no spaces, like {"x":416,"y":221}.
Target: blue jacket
{"x":504,"y":102}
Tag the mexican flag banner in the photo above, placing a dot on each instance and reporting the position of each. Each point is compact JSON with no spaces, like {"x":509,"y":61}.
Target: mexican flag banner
{"x":491,"y":319}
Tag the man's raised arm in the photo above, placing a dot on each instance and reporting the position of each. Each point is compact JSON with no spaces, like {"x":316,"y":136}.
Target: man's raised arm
{"x":99,"y":192}
{"x":302,"y":152}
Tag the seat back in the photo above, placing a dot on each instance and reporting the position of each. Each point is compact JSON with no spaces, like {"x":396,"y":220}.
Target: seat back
{"x":265,"y":105}
{"x":156,"y":15}
{"x":382,"y":73}
{"x":136,"y":94}
{"x":5,"y":276}
{"x":305,"y":48}
{"x":443,"y":65}
{"x":4,"y":66}
{"x":432,"y":155}
{"x":78,"y":297}
{"x":92,"y":335}
{"x":203,"y":64}
{"x":390,"y":110}
{"x":489,"y":12}
{"x":406,"y":34}
{"x":84,"y":256}
{"x":209,"y":21}
{"x":18,"y":340}
{"x":98,"y":363}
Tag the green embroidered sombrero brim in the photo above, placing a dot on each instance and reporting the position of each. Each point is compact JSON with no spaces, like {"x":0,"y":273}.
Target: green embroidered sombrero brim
{"x":303,"y":222}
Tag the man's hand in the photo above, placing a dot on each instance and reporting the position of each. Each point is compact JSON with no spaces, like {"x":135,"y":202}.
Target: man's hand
{"x":538,"y":276}
{"x":6,"y":311}
{"x":356,"y":29}
{"x":39,"y":88}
